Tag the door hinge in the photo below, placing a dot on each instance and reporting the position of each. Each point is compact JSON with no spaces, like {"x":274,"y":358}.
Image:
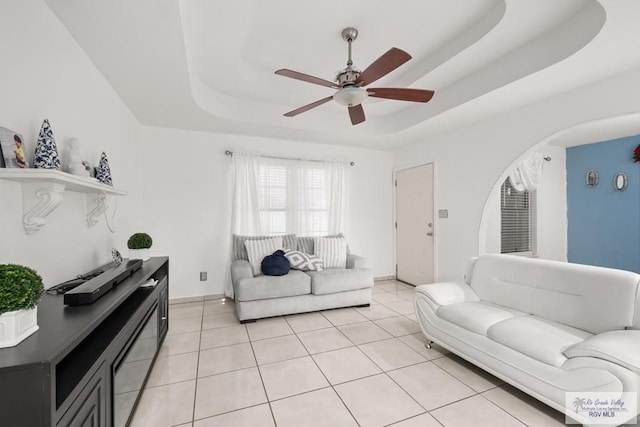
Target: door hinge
{"x":396,"y":224}
{"x":395,"y":182}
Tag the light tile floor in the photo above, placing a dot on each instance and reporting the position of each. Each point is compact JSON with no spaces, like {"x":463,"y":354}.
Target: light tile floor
{"x":344,"y":367}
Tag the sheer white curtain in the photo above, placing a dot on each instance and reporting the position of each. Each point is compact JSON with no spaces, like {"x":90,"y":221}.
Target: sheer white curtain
{"x":245,"y":208}
{"x":336,"y":174}
{"x":278,"y":196}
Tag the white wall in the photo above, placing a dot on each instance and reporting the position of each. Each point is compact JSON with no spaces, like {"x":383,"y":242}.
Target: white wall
{"x":551,"y":198}
{"x":470,"y":160}
{"x":187,"y":201}
{"x":45,"y":74}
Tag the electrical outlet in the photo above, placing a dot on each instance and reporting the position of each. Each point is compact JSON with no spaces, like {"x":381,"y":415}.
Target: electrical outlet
{"x":443,"y":213}
{"x":203,"y":276}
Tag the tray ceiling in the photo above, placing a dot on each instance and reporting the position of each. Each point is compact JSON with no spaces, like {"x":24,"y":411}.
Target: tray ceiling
{"x":203,"y":65}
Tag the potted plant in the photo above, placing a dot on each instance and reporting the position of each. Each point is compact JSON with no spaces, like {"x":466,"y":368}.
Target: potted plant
{"x":20,"y":291}
{"x":139,"y":244}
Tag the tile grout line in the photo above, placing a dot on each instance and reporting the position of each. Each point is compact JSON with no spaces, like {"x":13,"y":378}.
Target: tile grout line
{"x":195,"y":393}
{"x":327,"y":379}
{"x":264,"y":387}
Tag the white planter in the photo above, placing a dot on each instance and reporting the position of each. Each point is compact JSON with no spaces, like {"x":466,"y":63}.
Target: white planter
{"x":15,"y":326}
{"x":142,"y":254}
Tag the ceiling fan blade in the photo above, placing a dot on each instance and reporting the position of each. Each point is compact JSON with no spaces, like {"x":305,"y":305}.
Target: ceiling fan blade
{"x":356,"y":113}
{"x":382,"y":66}
{"x":306,"y":78}
{"x":308,"y":107}
{"x":414,"y":95}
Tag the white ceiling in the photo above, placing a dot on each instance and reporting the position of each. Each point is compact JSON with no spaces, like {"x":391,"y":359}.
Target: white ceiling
{"x":209,"y":65}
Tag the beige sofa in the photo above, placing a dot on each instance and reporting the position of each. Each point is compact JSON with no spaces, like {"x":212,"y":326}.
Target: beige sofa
{"x":263,"y":296}
{"x":548,"y":328}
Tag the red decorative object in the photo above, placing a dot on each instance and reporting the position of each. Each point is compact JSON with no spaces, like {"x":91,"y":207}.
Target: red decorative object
{"x":636,"y":154}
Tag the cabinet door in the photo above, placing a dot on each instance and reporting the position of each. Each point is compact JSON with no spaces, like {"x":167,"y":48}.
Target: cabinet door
{"x":89,"y":409}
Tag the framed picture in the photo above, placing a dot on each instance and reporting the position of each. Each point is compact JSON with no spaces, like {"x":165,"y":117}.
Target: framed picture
{"x":11,"y":145}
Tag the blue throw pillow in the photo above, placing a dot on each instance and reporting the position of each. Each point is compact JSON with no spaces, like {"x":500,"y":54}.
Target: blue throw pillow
{"x":275,"y":265}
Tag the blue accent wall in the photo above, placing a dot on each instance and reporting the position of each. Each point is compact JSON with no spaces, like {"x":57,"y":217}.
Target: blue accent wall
{"x":603,"y":224}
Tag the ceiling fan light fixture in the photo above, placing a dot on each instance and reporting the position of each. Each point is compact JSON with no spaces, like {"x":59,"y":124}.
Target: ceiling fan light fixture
{"x":350,"y":96}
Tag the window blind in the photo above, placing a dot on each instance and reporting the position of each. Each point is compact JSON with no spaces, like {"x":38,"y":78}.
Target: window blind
{"x":518,"y":220}
{"x":293,"y":196}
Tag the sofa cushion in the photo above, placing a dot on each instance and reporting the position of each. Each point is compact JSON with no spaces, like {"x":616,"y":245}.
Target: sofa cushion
{"x":239,"y":251}
{"x":339,"y":280}
{"x":332,"y":250}
{"x":264,"y":287}
{"x":477,"y":317}
{"x":596,"y":299}
{"x":619,"y":347}
{"x":259,"y":249}
{"x":538,"y":338}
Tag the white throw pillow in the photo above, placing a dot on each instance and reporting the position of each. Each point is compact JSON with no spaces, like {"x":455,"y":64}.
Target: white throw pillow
{"x":258,"y":249}
{"x":304,"y":262}
{"x":332,"y":250}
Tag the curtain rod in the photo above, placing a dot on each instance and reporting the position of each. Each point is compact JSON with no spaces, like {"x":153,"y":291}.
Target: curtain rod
{"x":230,"y":154}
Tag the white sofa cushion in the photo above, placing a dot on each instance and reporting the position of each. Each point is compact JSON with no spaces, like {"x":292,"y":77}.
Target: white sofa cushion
{"x":595,"y":299}
{"x":258,"y":249}
{"x":619,"y":347}
{"x":538,"y":338}
{"x":476,"y":316}
{"x":339,"y":280}
{"x":265,"y":287}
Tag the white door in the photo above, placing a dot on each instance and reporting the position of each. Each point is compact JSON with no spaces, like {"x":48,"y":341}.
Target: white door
{"x":414,"y":225}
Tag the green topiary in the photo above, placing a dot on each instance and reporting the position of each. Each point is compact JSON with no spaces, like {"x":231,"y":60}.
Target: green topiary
{"x":139,"y":241}
{"x":20,"y":288}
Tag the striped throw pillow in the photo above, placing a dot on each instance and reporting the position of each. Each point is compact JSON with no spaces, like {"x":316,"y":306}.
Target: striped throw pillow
{"x":258,"y":249}
{"x":304,"y":262}
{"x":332,"y":250}
{"x":305,"y":244}
{"x":239,"y":251}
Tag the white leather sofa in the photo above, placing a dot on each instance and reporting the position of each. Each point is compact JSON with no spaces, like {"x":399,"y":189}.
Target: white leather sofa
{"x":545,"y":327}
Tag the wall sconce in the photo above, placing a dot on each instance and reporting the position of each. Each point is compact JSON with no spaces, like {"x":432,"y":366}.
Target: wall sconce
{"x":592,"y":178}
{"x":620,"y":181}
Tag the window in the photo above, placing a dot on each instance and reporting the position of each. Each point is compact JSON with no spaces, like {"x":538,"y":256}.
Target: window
{"x":293,"y":198}
{"x":518,"y":220}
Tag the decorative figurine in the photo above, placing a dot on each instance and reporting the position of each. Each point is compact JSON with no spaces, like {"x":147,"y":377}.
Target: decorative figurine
{"x":46,"y":151}
{"x":104,"y":172}
{"x":75,"y":165}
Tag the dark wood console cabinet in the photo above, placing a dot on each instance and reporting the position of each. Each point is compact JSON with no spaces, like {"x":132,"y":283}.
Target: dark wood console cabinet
{"x":66,"y":374}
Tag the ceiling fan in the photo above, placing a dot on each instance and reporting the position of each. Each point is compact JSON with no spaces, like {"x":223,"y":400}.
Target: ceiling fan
{"x":350,"y":82}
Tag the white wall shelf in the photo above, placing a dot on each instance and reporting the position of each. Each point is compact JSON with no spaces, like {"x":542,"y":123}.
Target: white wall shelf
{"x":43,"y":190}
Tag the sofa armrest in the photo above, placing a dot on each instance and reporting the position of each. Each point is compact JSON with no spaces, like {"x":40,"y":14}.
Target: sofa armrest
{"x":619,"y":347}
{"x":240,"y":269}
{"x":445,"y":293}
{"x":355,"y":261}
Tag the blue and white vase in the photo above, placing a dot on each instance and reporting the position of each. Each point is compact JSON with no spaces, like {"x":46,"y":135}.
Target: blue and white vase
{"x":103,"y":174}
{"x":46,"y":156}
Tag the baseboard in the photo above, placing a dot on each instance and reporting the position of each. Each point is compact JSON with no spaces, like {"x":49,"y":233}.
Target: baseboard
{"x":195,"y":299}
{"x":383,"y":278}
